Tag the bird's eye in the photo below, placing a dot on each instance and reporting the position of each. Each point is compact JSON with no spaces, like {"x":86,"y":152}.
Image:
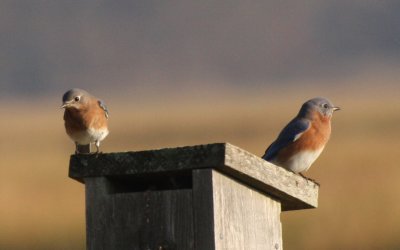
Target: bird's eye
{"x":77,"y":98}
{"x":325,"y":106}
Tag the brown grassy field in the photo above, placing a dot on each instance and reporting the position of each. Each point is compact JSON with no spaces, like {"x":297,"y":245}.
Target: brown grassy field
{"x":359,"y":203}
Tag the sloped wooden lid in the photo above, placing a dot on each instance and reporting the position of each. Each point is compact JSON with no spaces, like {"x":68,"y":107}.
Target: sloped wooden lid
{"x":293,"y":191}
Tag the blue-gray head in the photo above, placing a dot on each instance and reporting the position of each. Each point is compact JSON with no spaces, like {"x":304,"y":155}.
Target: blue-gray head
{"x":74,"y":98}
{"x":319,"y":104}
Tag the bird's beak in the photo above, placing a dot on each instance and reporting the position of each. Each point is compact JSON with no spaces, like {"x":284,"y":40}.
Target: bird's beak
{"x":336,"y":108}
{"x":65,"y":105}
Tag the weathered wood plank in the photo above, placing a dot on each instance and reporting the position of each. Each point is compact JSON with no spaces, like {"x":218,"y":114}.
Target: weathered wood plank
{"x":292,"y":190}
{"x":203,"y":209}
{"x":145,"y":162}
{"x":244,"y":218}
{"x":159,"y":220}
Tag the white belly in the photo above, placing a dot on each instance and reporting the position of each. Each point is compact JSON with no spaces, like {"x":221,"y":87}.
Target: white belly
{"x":302,"y":161}
{"x":89,"y":136}
{"x":97,"y":134}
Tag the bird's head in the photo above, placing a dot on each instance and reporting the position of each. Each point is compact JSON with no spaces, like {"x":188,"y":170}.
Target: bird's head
{"x":319,"y":104}
{"x":75,"y":98}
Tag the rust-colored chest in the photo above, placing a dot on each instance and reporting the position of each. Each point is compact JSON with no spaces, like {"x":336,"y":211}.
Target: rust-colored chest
{"x":312,"y":139}
{"x":77,"y":120}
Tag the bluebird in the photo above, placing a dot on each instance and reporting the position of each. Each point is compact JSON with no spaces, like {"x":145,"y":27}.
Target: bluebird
{"x":85,"y":117}
{"x":302,"y":140}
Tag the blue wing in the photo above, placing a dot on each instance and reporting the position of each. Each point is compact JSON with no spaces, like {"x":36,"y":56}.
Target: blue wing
{"x":104,"y":107}
{"x":289,"y":134}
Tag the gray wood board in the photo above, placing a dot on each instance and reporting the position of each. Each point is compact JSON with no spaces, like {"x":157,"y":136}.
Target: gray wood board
{"x":244,"y":218}
{"x":203,"y":209}
{"x":292,"y":190}
{"x":145,"y":220}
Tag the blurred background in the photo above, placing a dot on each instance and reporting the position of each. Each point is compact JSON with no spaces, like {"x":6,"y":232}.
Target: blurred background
{"x":177,"y":73}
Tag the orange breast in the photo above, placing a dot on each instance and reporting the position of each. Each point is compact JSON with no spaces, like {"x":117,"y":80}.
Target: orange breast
{"x":95,"y":116}
{"x":80,"y":120}
{"x":73,"y":121}
{"x":313,"y":139}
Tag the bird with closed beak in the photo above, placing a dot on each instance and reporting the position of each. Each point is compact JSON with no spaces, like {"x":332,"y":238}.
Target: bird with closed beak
{"x":302,"y":140}
{"x":85,"y":119}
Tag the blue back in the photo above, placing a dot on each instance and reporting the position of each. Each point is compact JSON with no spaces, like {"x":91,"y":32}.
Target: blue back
{"x":286,"y":137}
{"x":104,"y":107}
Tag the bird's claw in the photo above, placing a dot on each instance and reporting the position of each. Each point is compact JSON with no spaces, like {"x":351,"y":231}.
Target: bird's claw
{"x":309,"y":179}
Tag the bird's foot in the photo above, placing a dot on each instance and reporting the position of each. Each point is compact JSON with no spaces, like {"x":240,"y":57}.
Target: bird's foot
{"x":98,"y":152}
{"x":309,"y":179}
{"x":80,"y":153}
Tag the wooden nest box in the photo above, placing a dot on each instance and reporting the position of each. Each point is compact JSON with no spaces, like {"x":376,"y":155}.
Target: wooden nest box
{"x":214,"y":196}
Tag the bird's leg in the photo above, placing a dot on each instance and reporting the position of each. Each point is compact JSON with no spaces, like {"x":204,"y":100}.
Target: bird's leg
{"x":82,"y":149}
{"x":309,"y":179}
{"x":76,"y":148}
{"x":97,"y":147}
{"x":302,"y":175}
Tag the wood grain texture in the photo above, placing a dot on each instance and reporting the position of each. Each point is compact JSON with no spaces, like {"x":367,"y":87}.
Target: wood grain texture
{"x":161,"y":220}
{"x":292,"y":190}
{"x":244,"y":218}
{"x":203,"y":209}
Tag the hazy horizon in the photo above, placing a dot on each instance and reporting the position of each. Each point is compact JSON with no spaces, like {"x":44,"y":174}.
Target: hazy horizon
{"x":50,"y":46}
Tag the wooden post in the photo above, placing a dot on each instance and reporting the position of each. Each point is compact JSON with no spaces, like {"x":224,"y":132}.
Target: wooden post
{"x":214,"y":196}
